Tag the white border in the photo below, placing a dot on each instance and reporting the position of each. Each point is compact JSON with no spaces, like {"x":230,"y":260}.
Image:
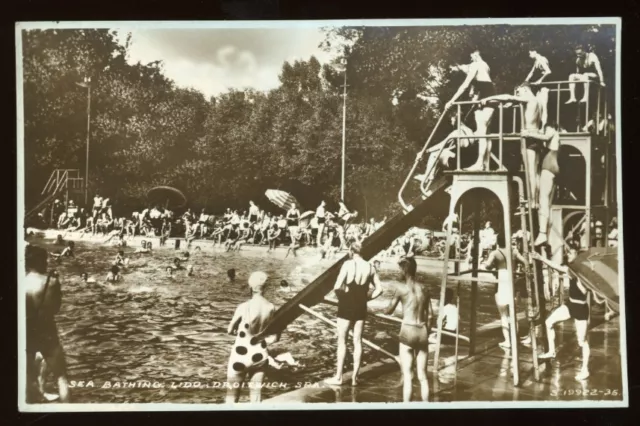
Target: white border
{"x":148,"y":25}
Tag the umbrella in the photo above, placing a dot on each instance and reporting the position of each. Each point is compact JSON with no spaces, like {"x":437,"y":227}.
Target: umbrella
{"x":597,"y":269}
{"x":282,"y":199}
{"x":306,"y":217}
{"x":167,"y":196}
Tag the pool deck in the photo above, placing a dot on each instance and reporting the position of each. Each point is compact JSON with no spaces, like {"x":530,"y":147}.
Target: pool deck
{"x":387,"y":263}
{"x":486,"y":376}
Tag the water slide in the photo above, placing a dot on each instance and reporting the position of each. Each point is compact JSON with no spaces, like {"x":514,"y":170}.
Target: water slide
{"x":42,"y":204}
{"x":315,"y":292}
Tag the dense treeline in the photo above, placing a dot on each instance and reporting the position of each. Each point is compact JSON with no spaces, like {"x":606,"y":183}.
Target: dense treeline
{"x":222,"y":152}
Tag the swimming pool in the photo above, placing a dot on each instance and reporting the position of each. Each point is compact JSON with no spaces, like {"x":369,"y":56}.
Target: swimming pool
{"x":172,"y":330}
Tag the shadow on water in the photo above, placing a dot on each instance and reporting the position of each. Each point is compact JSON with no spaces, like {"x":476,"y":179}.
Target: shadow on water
{"x":152,"y":327}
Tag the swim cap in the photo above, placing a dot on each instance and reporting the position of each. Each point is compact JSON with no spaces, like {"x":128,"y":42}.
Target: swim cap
{"x":257,"y":280}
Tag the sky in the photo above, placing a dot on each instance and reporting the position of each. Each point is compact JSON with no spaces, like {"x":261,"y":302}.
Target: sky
{"x":216,"y":60}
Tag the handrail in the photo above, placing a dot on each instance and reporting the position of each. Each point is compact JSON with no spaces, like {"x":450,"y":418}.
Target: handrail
{"x":60,"y":184}
{"x":404,"y":205}
{"x":503,"y":136}
{"x":550,"y":83}
{"x":53,"y":183}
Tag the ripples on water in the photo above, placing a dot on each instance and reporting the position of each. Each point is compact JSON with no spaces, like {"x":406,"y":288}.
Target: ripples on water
{"x":173,"y":329}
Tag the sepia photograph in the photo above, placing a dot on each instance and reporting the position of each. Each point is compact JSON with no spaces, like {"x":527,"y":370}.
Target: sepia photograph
{"x":277,"y":215}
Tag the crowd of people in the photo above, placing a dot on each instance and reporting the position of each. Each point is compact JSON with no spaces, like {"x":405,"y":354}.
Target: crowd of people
{"x":330,"y":232}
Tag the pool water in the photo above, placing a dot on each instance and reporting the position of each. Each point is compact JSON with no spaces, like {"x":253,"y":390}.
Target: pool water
{"x":171,"y":331}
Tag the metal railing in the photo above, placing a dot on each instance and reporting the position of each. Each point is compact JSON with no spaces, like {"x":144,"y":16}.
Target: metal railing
{"x":59,"y":176}
{"x":502,"y":136}
{"x":602,"y":111}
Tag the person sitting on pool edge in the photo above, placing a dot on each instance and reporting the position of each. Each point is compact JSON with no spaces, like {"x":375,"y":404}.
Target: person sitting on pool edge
{"x":249,"y":357}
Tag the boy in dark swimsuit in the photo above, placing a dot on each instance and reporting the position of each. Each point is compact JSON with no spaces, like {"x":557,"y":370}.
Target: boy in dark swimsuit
{"x":293,"y":220}
{"x":352,"y":287}
{"x":576,"y":308}
{"x":549,"y":170}
{"x":480,"y":86}
{"x":414,"y":335}
{"x":587,"y":69}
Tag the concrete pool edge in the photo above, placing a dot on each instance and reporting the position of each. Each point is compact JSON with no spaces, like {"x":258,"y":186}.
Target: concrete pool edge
{"x":386,"y":263}
{"x":375,"y":370}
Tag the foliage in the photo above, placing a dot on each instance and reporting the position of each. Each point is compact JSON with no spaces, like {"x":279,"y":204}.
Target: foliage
{"x":227,"y":150}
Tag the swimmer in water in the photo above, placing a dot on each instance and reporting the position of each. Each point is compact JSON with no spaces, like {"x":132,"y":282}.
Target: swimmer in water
{"x":67,"y":252}
{"x":231,"y":273}
{"x":177,"y":264}
{"x":284,"y":286}
{"x":190,"y":270}
{"x":169,"y":271}
{"x":59,"y":240}
{"x":86,"y":279}
{"x":114,"y":274}
{"x":145,"y":247}
{"x":120,"y":259}
{"x":376,"y":265}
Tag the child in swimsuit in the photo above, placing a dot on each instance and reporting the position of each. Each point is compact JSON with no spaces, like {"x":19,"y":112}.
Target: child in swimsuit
{"x":413,"y":337}
{"x":272,"y":237}
{"x":249,"y":357}
{"x":114,"y":274}
{"x":577,"y":308}
{"x":67,"y":252}
{"x":296,"y":237}
{"x":146,"y":247}
{"x":120,"y":259}
{"x":86,"y":279}
{"x":448,"y":321}
{"x":504,"y":296}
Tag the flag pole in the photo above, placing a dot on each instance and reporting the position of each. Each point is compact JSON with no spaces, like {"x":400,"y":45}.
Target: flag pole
{"x":344,"y":125}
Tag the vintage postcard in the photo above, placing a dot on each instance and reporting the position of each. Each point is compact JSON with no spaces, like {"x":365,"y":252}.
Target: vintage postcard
{"x":275,"y":215}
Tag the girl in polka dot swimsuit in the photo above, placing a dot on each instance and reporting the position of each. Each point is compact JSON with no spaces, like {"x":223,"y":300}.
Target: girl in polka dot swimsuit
{"x":249,"y":358}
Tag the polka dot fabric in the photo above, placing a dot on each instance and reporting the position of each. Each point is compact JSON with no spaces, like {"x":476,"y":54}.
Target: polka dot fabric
{"x":247,"y":352}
